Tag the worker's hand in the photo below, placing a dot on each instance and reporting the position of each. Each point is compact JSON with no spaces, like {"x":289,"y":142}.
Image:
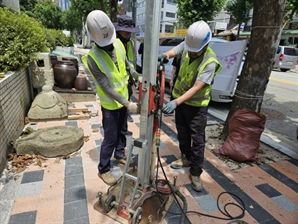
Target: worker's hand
{"x":140,"y":78}
{"x":132,"y":107}
{"x":163,"y":58}
{"x":170,"y":107}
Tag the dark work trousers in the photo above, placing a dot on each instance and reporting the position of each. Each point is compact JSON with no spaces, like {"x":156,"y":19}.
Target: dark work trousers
{"x":191,"y":123}
{"x":113,"y":122}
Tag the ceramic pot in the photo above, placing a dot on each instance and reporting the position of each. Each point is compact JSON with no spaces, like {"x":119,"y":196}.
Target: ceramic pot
{"x":81,"y":82}
{"x":65,"y":74}
{"x":73,"y":60}
{"x":54,"y":60}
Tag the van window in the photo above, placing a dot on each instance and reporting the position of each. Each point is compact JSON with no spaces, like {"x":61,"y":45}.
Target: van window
{"x":278,"y":50}
{"x":171,"y":42}
{"x":290,"y":51}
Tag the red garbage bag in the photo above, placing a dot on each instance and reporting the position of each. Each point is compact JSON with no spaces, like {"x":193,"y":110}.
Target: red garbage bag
{"x":243,"y":141}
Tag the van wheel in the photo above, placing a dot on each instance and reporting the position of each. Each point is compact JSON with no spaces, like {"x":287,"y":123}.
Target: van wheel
{"x":284,"y":70}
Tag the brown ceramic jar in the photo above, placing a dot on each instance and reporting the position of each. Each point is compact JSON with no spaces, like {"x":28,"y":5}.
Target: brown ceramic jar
{"x":81,"y":82}
{"x":65,"y":74}
{"x":73,"y":60}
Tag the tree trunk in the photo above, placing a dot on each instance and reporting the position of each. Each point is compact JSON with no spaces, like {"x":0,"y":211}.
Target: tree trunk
{"x":113,"y":10}
{"x":102,"y":5}
{"x":238,"y":31}
{"x":265,"y":35}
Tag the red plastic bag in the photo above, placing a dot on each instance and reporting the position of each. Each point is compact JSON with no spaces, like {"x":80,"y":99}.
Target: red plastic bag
{"x":243,"y":141}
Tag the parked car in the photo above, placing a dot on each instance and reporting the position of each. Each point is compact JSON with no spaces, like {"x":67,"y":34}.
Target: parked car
{"x":286,"y":58}
{"x":225,"y":82}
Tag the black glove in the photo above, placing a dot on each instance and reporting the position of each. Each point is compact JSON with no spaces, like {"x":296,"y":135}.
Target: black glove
{"x":163,"y":58}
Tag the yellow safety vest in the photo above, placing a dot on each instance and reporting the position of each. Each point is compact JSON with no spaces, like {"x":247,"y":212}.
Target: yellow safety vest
{"x":118,"y":79}
{"x":188,"y":75}
{"x":130,"y":53}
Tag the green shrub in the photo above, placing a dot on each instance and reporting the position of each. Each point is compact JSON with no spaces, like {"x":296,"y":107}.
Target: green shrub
{"x":57,"y":38}
{"x":20,"y":37}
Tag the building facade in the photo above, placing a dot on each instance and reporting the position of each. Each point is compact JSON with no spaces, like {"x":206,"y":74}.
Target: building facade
{"x":12,"y":4}
{"x":168,"y":19}
{"x":64,"y":4}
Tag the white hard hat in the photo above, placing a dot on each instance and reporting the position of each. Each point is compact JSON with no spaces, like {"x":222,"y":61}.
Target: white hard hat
{"x":198,"y":36}
{"x":100,"y":28}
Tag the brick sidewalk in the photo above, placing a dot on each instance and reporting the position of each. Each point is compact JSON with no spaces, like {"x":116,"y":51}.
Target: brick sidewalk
{"x":65,"y":191}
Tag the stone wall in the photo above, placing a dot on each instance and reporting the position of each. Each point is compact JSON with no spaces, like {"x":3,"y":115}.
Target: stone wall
{"x":16,"y":96}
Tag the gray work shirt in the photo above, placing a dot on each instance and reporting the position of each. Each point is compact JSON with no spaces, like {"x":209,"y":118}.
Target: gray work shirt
{"x":207,"y":74}
{"x":102,"y":80}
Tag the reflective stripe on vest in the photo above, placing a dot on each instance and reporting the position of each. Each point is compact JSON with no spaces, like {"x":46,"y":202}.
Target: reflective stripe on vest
{"x":188,"y":75}
{"x":117,"y":79}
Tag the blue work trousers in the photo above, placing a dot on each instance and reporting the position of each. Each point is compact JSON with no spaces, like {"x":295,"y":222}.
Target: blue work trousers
{"x":113,"y":122}
{"x":191,"y":123}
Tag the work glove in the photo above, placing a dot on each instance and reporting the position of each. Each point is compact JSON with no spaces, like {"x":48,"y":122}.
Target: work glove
{"x":170,"y":107}
{"x":163,"y":58}
{"x":140,"y":78}
{"x":132,"y":107}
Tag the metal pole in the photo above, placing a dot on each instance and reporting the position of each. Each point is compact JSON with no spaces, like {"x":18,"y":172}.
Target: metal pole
{"x":134,"y":10}
{"x":152,"y":18}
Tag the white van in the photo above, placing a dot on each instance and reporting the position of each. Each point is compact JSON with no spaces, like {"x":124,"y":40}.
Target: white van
{"x":229,"y":54}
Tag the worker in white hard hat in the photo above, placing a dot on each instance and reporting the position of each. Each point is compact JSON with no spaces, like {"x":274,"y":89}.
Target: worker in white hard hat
{"x":108,"y":65}
{"x":191,"y":93}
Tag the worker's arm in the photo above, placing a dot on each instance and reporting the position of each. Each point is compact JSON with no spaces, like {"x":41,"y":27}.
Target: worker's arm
{"x":102,"y":80}
{"x":205,"y":78}
{"x":175,"y":50}
{"x":132,"y":71}
{"x":191,"y":92}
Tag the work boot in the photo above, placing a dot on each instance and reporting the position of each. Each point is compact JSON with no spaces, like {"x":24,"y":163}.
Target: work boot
{"x":196,"y":183}
{"x":178,"y":164}
{"x":108,"y":178}
{"x":123,"y":161}
{"x":129,"y":118}
{"x":128,"y":133}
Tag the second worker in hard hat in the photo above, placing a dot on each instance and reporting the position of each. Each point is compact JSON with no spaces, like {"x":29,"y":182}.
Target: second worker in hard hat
{"x":108,"y":66}
{"x":124,"y":27}
{"x":191,"y":93}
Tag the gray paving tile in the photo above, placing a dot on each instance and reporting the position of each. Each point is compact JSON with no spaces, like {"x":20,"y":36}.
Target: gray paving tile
{"x":98,"y":142}
{"x":285,"y":203}
{"x":23,"y":218}
{"x":81,"y":220}
{"x":29,"y":189}
{"x":96,"y":126}
{"x":207,"y":202}
{"x":96,"y":118}
{"x":268,"y":190}
{"x":71,"y":123}
{"x":74,"y":181}
{"x":74,"y":194}
{"x":74,"y":161}
{"x":75,"y":210}
{"x":32,"y":176}
{"x":73,"y":170}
